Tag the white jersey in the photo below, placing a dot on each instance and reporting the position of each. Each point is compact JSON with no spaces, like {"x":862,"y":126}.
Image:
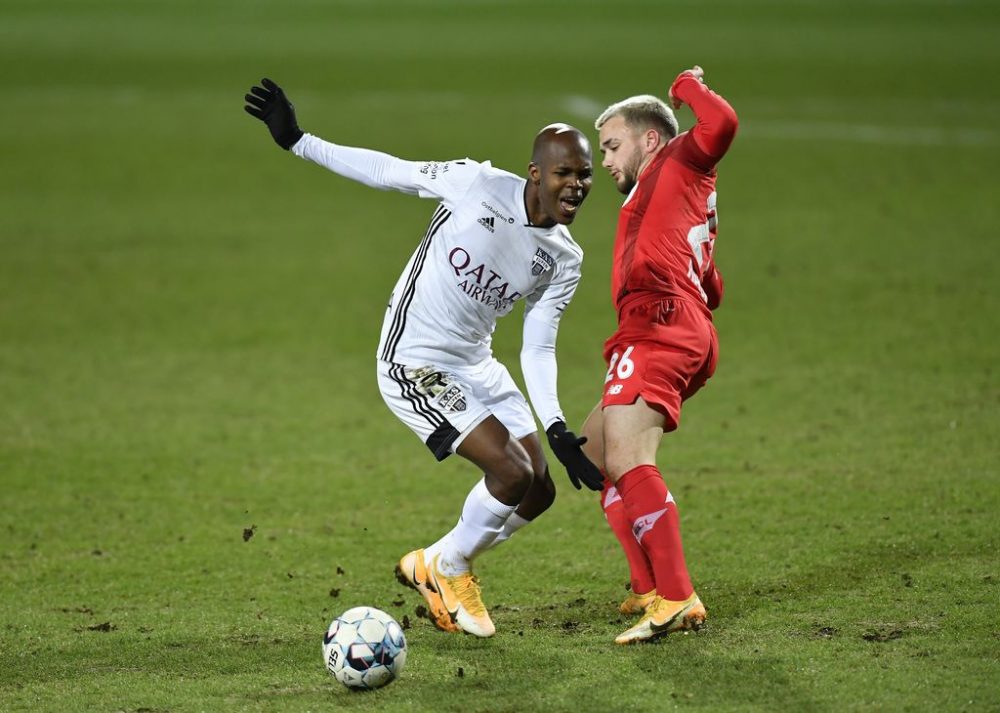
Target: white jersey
{"x":477,"y":258}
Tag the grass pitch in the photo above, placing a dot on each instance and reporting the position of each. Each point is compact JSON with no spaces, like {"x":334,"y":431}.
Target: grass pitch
{"x":197,"y":472}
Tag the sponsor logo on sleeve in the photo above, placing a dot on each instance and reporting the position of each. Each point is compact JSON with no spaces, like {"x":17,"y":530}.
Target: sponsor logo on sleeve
{"x":433,"y":169}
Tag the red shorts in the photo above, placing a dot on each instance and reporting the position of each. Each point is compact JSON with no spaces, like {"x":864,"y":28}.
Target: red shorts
{"x":664,"y":351}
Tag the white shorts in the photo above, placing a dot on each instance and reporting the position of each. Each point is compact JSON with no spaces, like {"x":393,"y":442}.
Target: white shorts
{"x":443,"y":404}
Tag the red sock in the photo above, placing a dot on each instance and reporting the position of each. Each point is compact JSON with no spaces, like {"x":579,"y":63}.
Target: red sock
{"x":651,"y":510}
{"x":640,"y":571}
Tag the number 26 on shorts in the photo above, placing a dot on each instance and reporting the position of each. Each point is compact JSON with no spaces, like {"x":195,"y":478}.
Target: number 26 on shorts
{"x":620,"y":365}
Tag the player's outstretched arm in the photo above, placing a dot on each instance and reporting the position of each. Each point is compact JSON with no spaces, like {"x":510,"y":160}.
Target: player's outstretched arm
{"x":383,"y":171}
{"x":716,"y":120}
{"x":269,"y":104}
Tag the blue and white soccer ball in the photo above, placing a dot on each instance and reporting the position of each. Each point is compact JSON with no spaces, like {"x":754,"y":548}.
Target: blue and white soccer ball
{"x":364,"y":648}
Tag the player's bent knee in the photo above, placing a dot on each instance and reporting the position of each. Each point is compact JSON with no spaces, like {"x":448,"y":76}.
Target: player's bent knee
{"x":520,"y":463}
{"x":615,"y":468}
{"x":545,"y":489}
{"x":519,"y":475}
{"x":509,"y":478}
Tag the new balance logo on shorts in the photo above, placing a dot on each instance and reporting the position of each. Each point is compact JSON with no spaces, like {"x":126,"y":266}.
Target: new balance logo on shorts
{"x":487,"y":223}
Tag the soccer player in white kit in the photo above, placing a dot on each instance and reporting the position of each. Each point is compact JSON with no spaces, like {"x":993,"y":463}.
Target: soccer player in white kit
{"x":495,"y":238}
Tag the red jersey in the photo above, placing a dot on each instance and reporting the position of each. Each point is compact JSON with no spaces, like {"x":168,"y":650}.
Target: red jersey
{"x":667,"y":225}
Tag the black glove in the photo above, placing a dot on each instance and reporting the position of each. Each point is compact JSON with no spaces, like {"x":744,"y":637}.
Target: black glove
{"x":566,"y":445}
{"x":269,"y":104}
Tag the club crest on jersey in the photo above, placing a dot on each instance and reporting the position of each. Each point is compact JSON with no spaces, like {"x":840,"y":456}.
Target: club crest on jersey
{"x":541,"y":262}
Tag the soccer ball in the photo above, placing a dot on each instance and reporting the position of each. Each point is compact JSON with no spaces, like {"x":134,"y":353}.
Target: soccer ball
{"x":364,"y":648}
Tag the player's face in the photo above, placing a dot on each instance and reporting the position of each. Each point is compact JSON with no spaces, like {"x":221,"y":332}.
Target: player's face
{"x":565,"y":174}
{"x":622,"y":153}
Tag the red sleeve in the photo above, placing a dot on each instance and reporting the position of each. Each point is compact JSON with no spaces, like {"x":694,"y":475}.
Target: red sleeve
{"x":713,"y":286}
{"x":717,"y":122}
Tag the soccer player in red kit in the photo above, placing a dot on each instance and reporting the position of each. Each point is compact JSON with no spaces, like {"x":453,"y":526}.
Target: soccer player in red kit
{"x":664,"y":287}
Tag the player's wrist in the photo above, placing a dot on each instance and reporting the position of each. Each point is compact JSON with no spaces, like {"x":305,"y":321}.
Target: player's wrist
{"x":555,"y":428}
{"x":683,"y":85}
{"x":289,"y":138}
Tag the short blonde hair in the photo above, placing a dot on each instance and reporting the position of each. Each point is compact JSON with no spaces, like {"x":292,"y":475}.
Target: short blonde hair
{"x":642,"y":112}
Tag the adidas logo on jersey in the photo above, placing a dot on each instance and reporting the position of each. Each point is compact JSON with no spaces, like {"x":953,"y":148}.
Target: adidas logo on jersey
{"x":487,"y":223}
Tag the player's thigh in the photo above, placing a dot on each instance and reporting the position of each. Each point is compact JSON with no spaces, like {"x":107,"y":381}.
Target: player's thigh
{"x":593,"y":429}
{"x":632,"y":434}
{"x":501,"y":457}
{"x":493,"y":386}
{"x":648,"y":371}
{"x":434,"y":403}
{"x":661,"y":361}
{"x":533,"y":447}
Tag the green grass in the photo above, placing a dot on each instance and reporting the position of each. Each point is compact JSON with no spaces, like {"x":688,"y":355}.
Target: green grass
{"x":188,"y":319}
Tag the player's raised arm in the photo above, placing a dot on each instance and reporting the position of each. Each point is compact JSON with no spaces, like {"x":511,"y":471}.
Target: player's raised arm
{"x":371,"y":168}
{"x":716,"y":120}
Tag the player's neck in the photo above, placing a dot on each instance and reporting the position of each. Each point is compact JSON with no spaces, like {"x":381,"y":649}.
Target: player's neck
{"x":648,"y":159}
{"x":537,"y":217}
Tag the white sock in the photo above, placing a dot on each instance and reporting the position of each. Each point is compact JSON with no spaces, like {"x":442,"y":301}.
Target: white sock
{"x":483,"y":519}
{"x":514,"y":523}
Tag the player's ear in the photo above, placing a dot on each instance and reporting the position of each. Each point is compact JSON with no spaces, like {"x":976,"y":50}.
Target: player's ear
{"x":534,"y":173}
{"x":651,"y":140}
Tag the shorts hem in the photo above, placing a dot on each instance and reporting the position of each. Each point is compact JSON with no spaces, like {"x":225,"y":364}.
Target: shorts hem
{"x":672,"y":422}
{"x":464,"y":434}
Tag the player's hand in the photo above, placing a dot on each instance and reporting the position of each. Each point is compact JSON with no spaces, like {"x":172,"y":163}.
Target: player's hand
{"x":566,"y":445}
{"x":696,"y":72}
{"x":269,"y":104}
